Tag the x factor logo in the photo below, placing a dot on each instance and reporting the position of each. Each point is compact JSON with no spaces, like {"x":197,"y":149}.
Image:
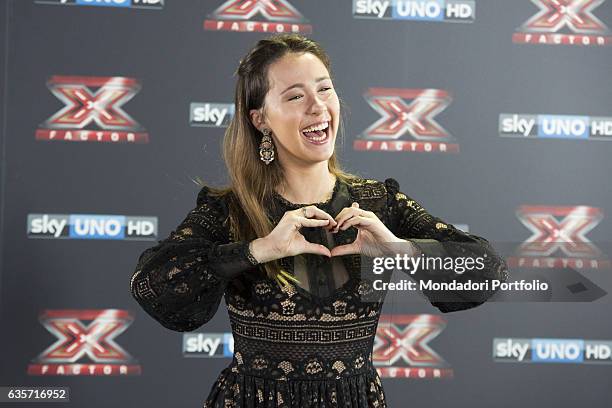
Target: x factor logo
{"x":92,"y":115}
{"x":558,"y":238}
{"x":401,"y":348}
{"x":399,"y":118}
{"x":238,"y":15}
{"x":85,"y":349}
{"x":566,"y":22}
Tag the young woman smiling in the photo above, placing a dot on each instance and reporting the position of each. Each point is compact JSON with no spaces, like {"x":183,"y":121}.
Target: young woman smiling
{"x":283,"y":245}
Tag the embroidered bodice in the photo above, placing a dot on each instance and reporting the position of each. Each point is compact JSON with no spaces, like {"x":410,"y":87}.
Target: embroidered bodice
{"x":289,"y":341}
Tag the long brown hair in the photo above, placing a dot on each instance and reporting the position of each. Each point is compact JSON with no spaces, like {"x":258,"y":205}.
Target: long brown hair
{"x":251,"y":180}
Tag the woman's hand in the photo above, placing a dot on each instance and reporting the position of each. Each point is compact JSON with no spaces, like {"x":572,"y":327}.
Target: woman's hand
{"x":286,"y":240}
{"x":373,"y":237}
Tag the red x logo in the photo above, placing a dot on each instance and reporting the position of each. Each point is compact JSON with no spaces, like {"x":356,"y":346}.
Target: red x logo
{"x":404,"y":341}
{"x":566,"y":235}
{"x":577,"y":15}
{"x":273,"y":10}
{"x":77,"y":340}
{"x":84,"y":106}
{"x":399,"y":117}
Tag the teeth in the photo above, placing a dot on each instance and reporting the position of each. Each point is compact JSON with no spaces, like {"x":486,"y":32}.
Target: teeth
{"x":318,"y":139}
{"x":317,"y":127}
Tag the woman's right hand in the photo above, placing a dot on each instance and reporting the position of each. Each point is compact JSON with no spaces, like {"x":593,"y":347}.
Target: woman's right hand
{"x":286,"y":240}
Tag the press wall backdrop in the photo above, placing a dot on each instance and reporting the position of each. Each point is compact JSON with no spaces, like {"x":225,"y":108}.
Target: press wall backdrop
{"x":495,"y":115}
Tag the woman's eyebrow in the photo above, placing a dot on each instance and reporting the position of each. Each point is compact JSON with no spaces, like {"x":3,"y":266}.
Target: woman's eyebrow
{"x":300,"y":85}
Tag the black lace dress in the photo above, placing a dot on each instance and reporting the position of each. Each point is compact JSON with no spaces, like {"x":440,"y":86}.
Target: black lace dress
{"x":306,"y":345}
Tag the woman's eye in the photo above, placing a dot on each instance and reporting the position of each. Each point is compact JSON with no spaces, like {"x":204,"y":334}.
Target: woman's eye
{"x":327,"y":88}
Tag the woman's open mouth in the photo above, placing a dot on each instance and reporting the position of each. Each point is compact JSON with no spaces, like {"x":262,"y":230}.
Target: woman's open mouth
{"x":317,"y":134}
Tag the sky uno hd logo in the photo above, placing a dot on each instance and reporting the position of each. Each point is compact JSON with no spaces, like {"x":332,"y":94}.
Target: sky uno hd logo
{"x":555,"y":126}
{"x":540,"y":350}
{"x":211,"y":114}
{"x":564,"y":22}
{"x":208,"y":345}
{"x":239,"y":15}
{"x":85,"y":344}
{"x":399,"y":118}
{"x":136,"y":4}
{"x":453,"y":11}
{"x":85,"y":107}
{"x":85,"y":226}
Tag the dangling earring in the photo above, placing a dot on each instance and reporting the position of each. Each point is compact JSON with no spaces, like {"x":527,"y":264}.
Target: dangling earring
{"x":266,"y":147}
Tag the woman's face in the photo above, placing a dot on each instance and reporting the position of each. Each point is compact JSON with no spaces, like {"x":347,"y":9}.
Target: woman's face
{"x":301,"y":108}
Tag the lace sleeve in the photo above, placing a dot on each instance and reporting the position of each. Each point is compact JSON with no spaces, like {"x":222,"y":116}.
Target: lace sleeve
{"x":180,"y":281}
{"x":434,"y":237}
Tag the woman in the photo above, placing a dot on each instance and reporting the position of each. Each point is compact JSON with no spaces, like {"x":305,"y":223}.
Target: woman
{"x":283,"y":245}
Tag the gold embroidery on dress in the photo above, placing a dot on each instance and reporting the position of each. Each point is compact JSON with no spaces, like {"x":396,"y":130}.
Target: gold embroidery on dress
{"x":339,"y":366}
{"x":365,"y":189}
{"x":359,"y":362}
{"x":313,"y":367}
{"x":339,"y":307}
{"x":173,"y":272}
{"x":286,"y":366}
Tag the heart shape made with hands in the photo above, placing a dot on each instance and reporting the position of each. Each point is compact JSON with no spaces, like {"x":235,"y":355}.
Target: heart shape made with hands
{"x":371,"y":232}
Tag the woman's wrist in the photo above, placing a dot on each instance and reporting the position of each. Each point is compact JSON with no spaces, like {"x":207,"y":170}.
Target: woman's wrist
{"x":260,"y":250}
{"x":252,"y":260}
{"x":405,"y":246}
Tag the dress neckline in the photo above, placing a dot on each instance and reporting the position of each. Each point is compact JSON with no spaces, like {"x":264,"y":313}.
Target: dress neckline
{"x":288,"y":203}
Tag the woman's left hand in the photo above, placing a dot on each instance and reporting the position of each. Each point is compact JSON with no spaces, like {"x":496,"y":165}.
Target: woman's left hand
{"x":373,"y":237}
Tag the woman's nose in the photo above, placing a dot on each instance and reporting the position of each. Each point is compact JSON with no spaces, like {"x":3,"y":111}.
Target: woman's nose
{"x":318,"y":105}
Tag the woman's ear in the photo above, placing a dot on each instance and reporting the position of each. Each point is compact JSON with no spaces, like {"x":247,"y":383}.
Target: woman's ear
{"x":257,"y":118}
